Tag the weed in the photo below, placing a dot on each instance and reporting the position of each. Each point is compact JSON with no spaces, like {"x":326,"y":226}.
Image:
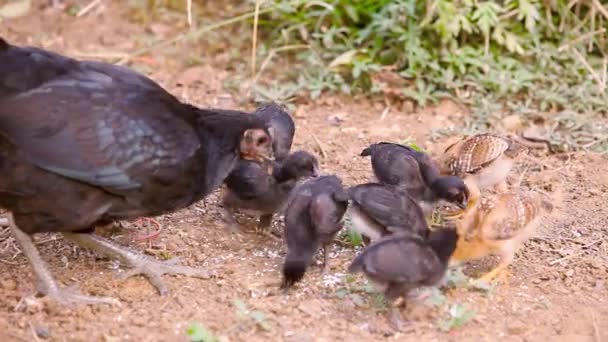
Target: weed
{"x":198,"y":333}
{"x":255,"y":316}
{"x":459,"y":315}
{"x":535,"y":55}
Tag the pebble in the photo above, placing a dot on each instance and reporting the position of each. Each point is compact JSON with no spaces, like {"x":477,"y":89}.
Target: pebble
{"x":8,"y":284}
{"x":42,"y":331}
{"x":516,"y":328}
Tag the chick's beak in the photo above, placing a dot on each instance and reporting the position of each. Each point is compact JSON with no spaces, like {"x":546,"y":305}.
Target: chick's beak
{"x":463,"y":204}
{"x":316,"y":172}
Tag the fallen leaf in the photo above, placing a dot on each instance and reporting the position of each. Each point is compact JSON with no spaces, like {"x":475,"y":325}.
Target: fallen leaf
{"x":15,"y":9}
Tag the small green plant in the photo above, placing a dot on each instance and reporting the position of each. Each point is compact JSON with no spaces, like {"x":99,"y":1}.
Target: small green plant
{"x":349,"y":235}
{"x":255,"y":316}
{"x":523,"y":55}
{"x":459,"y":315}
{"x":198,"y":333}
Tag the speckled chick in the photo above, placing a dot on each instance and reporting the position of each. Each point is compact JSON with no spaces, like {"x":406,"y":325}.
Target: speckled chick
{"x":399,"y":263}
{"x":281,"y":127}
{"x":378,"y":210}
{"x":498,"y":225}
{"x":312,"y":219}
{"x":485,"y":158}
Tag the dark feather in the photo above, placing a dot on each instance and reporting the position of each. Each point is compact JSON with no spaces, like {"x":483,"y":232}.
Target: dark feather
{"x":312,"y":218}
{"x":400,"y":263}
{"x":389,"y":207}
{"x":414,"y":172}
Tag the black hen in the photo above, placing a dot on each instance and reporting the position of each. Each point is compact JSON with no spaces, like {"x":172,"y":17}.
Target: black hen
{"x":378,"y":210}
{"x":281,"y":128}
{"x":312,"y":219}
{"x":86,"y":143}
{"x":252,"y":187}
{"x":400,"y":263}
{"x":416,"y":173}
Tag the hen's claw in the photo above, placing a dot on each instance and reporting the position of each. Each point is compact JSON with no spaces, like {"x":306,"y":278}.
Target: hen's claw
{"x":153,"y":270}
{"x":142,"y":264}
{"x":70,"y":295}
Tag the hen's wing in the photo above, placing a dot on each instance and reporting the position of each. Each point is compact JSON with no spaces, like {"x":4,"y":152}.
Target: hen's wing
{"x":96,"y":123}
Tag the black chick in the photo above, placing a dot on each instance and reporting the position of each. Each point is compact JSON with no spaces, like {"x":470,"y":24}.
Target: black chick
{"x":400,"y":263}
{"x":281,"y":128}
{"x":378,"y":210}
{"x":110,"y":144}
{"x":312,"y":219}
{"x":417,"y":174}
{"x":258,"y":188}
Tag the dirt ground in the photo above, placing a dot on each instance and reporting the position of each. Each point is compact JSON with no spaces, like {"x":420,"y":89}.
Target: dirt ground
{"x":556,"y":291}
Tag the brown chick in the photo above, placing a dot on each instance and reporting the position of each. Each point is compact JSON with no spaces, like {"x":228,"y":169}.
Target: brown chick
{"x":485,"y":159}
{"x":498,"y":225}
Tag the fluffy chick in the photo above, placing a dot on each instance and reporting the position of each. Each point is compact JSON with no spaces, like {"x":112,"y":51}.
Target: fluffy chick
{"x":416,"y":173}
{"x":400,"y":263}
{"x":312,"y":219}
{"x":381,"y":209}
{"x":498,"y":225}
{"x":281,"y":127}
{"x":260,"y":189}
{"x":483,"y":159}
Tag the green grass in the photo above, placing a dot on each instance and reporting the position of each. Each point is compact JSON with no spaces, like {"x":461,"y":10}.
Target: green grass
{"x":526,"y":55}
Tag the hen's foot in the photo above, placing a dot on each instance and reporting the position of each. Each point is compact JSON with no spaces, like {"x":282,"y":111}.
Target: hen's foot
{"x":147,"y":266}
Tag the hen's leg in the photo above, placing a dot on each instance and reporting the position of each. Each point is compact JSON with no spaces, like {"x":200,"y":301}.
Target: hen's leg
{"x":142,"y":264}
{"x":46,"y":283}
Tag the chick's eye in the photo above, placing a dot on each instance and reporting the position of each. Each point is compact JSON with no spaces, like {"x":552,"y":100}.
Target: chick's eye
{"x":262,"y":140}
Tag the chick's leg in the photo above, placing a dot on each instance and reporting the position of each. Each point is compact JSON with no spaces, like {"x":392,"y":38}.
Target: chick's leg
{"x":230,"y":221}
{"x":498,"y":271}
{"x":142,"y":264}
{"x":325,"y":264}
{"x":46,"y":283}
{"x":265,"y":227}
{"x":502,"y":186}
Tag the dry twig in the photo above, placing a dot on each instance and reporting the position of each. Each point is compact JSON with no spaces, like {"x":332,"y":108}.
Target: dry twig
{"x":86,"y":9}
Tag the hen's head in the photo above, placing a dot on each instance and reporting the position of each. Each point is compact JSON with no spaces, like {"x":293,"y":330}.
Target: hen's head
{"x":256,"y":144}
